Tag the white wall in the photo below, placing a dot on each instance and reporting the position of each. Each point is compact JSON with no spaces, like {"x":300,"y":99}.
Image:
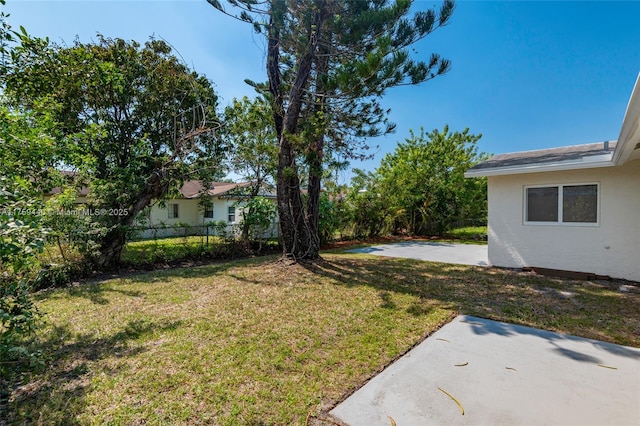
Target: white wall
{"x":187,"y":213}
{"x":191,"y":213}
{"x":611,"y":248}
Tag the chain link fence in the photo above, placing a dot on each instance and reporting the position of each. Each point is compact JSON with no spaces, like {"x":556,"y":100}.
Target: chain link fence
{"x":225,"y":231}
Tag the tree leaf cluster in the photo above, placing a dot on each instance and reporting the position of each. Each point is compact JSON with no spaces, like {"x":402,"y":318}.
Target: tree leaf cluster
{"x":131,"y":121}
{"x":420,"y":188}
{"x":22,"y":237}
{"x":252,"y":144}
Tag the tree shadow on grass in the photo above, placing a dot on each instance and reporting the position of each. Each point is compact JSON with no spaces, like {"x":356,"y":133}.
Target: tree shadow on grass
{"x":95,"y":290}
{"x":393,"y":275}
{"x":509,"y":296}
{"x":57,"y":394}
{"x":198,"y":270}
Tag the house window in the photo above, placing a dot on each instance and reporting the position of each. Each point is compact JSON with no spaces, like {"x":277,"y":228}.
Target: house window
{"x":580,"y":203}
{"x":232,"y":214}
{"x":208,"y":212}
{"x":562,"y":204}
{"x":542,"y":204}
{"x":173,"y":211}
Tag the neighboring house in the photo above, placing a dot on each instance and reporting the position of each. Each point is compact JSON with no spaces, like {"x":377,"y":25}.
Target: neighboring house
{"x":575,"y":208}
{"x":225,"y":204}
{"x":187,"y":214}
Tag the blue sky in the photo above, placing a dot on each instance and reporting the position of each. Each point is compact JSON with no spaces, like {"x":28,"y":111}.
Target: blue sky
{"x":526,"y":75}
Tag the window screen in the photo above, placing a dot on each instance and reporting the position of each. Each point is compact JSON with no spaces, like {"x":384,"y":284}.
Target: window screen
{"x":580,"y":203}
{"x":542,"y":204}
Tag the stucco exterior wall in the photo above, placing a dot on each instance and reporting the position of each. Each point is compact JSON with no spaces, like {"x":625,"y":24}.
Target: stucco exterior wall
{"x":189,"y":212}
{"x":610,"y":248}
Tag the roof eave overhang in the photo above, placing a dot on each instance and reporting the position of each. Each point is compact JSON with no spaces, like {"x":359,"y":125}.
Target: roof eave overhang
{"x":628,"y":142}
{"x":586,"y":163}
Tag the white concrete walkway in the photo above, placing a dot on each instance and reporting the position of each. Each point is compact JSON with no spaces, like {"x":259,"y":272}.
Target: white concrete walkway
{"x":501,"y":374}
{"x":462,"y":254}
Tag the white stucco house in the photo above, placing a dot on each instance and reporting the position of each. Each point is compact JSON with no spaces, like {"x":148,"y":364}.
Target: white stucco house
{"x":575,"y":208}
{"x":186,"y":212}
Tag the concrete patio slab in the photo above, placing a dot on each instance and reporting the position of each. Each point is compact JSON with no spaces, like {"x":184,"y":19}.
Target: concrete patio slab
{"x":461,"y":254}
{"x":502,"y":374}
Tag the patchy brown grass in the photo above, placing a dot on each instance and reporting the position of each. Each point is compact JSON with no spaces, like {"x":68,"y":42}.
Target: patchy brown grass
{"x":260,"y":342}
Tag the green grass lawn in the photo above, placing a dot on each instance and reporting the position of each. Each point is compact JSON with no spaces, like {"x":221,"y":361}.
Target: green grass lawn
{"x":173,"y":249}
{"x":167,"y":249}
{"x":474,"y":233}
{"x":259,"y":342}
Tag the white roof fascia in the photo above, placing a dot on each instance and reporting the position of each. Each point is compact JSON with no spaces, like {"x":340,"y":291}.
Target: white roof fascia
{"x":630,"y":131}
{"x":591,"y":162}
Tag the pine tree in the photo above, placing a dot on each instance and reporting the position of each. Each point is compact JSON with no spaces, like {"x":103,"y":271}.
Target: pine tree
{"x":329,"y":62}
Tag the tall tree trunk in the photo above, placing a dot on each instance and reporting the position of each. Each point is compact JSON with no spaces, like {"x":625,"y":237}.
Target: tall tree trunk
{"x":313,"y":197}
{"x":298,"y":240}
{"x":111,"y":247}
{"x":314,"y":186}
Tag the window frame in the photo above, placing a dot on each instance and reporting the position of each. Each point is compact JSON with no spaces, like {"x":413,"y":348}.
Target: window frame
{"x":173,"y":211}
{"x":208,"y":209}
{"x":560,"y":221}
{"x":229,"y":214}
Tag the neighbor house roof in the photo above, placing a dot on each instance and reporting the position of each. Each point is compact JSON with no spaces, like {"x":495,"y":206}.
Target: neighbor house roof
{"x":194,"y":188}
{"x":190,"y":189}
{"x":82,"y":191}
{"x":593,"y":155}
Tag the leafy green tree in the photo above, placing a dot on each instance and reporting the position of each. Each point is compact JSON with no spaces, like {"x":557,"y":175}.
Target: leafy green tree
{"x":131,"y":120}
{"x":368,"y":211}
{"x":259,"y":213}
{"x":22,"y":236}
{"x":23,"y":156}
{"x":253,"y":148}
{"x":423,"y":181}
{"x":328,"y":64}
{"x":24,"y":145}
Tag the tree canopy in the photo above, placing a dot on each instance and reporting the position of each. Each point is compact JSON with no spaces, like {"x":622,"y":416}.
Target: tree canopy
{"x":328,"y":64}
{"x":253,"y":147}
{"x":424,"y":185}
{"x":131,"y":122}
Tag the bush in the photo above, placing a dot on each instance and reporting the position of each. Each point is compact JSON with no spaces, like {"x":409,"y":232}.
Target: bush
{"x":328,"y":222}
{"x":58,"y":275}
{"x":18,"y":320}
{"x":258,"y":216}
{"x":21,"y":238}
